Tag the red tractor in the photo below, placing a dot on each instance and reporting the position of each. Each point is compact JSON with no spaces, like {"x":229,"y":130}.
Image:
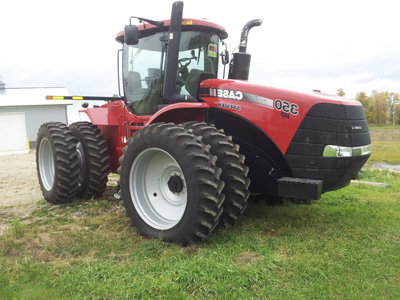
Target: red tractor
{"x":186,"y":144}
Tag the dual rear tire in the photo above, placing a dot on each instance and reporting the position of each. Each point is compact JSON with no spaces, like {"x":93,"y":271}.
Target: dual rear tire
{"x":71,"y":161}
{"x":57,"y":163}
{"x":93,"y":160}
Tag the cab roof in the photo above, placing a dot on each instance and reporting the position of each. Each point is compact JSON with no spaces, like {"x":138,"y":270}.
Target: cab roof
{"x":147,"y":29}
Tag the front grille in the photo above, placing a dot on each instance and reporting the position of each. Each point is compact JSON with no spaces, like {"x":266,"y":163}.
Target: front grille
{"x":328,"y":124}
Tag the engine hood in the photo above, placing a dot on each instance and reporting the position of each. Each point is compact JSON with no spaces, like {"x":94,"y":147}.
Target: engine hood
{"x":278,"y":92}
{"x":277,"y":111}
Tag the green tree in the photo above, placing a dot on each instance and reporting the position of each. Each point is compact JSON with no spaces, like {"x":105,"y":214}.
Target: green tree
{"x":381,"y":107}
{"x":397,"y":114}
{"x":340,"y":92}
{"x":393,"y":101}
{"x":368,"y":104}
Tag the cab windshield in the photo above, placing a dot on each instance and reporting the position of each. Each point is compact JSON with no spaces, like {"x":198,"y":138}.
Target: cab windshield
{"x":143,"y":68}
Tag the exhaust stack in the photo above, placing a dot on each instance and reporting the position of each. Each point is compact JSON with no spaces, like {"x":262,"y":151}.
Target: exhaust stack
{"x":240,"y":64}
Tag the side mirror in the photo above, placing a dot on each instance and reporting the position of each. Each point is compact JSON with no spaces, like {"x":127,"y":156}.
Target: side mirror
{"x":225,"y":57}
{"x":131,"y":35}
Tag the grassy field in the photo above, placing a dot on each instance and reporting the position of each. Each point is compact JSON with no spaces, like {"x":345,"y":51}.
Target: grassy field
{"x":385,"y":144}
{"x":344,"y":246}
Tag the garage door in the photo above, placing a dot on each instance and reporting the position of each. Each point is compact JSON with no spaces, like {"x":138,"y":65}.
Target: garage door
{"x":13,"y":132}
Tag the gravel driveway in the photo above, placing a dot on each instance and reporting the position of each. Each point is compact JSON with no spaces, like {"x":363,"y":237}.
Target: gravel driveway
{"x":19,"y":184}
{"x":20,"y":192}
{"x":19,"y":187}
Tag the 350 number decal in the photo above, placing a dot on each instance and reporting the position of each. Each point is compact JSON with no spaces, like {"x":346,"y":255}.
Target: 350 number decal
{"x":286,"y":107}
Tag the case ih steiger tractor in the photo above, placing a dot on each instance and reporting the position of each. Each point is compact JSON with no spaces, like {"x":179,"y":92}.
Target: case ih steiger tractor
{"x":187,"y":145}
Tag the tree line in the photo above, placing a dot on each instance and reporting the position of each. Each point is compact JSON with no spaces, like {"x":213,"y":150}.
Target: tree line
{"x":379,"y":107}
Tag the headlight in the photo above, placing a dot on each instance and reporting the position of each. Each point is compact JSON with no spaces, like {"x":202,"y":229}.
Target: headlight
{"x":340,"y":151}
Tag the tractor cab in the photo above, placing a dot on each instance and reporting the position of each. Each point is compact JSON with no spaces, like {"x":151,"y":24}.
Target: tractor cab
{"x":164,"y":63}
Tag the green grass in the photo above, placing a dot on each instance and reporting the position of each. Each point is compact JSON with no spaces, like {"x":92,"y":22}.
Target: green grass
{"x":385,"y":144}
{"x":347,"y":245}
{"x":344,"y":246}
{"x":385,"y":133}
{"x":387,"y":151}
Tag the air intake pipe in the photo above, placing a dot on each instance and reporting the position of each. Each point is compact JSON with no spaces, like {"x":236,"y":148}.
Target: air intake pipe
{"x":240,"y":64}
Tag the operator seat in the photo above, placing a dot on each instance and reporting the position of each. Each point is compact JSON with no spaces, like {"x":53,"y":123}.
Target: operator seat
{"x":153,"y":74}
{"x":134,"y":88}
{"x":144,"y":101}
{"x":194,"y":79}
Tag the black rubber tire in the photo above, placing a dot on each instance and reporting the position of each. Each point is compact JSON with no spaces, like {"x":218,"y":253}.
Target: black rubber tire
{"x":93,"y":160}
{"x":57,"y":163}
{"x":234,"y":171}
{"x":203,"y":186}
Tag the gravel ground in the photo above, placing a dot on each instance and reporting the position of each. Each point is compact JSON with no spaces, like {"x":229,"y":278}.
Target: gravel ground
{"x":20,"y":192}
{"x":19,"y":187}
{"x":19,"y":184}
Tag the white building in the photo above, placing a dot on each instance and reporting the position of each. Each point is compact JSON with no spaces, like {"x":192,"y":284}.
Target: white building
{"x":23,"y":111}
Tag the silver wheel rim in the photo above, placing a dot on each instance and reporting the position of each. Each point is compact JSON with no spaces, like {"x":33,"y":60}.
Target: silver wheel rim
{"x":158,"y":188}
{"x":82,"y":163}
{"x":46,"y":164}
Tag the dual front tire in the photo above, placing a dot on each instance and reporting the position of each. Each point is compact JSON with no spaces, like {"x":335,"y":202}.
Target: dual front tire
{"x":178,"y":183}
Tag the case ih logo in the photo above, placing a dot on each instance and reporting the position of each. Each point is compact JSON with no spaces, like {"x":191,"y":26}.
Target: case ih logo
{"x":226,"y":94}
{"x":286,"y":108}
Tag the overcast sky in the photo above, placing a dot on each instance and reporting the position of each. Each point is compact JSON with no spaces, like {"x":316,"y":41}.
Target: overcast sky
{"x":326,"y":45}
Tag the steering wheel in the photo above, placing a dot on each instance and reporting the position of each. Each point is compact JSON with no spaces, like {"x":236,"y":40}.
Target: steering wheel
{"x":183,"y":71}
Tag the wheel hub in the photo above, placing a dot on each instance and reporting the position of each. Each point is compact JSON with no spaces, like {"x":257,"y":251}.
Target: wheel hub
{"x":175,"y":184}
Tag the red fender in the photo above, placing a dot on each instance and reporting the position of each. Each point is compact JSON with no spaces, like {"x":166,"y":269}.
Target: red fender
{"x":180,"y":112}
